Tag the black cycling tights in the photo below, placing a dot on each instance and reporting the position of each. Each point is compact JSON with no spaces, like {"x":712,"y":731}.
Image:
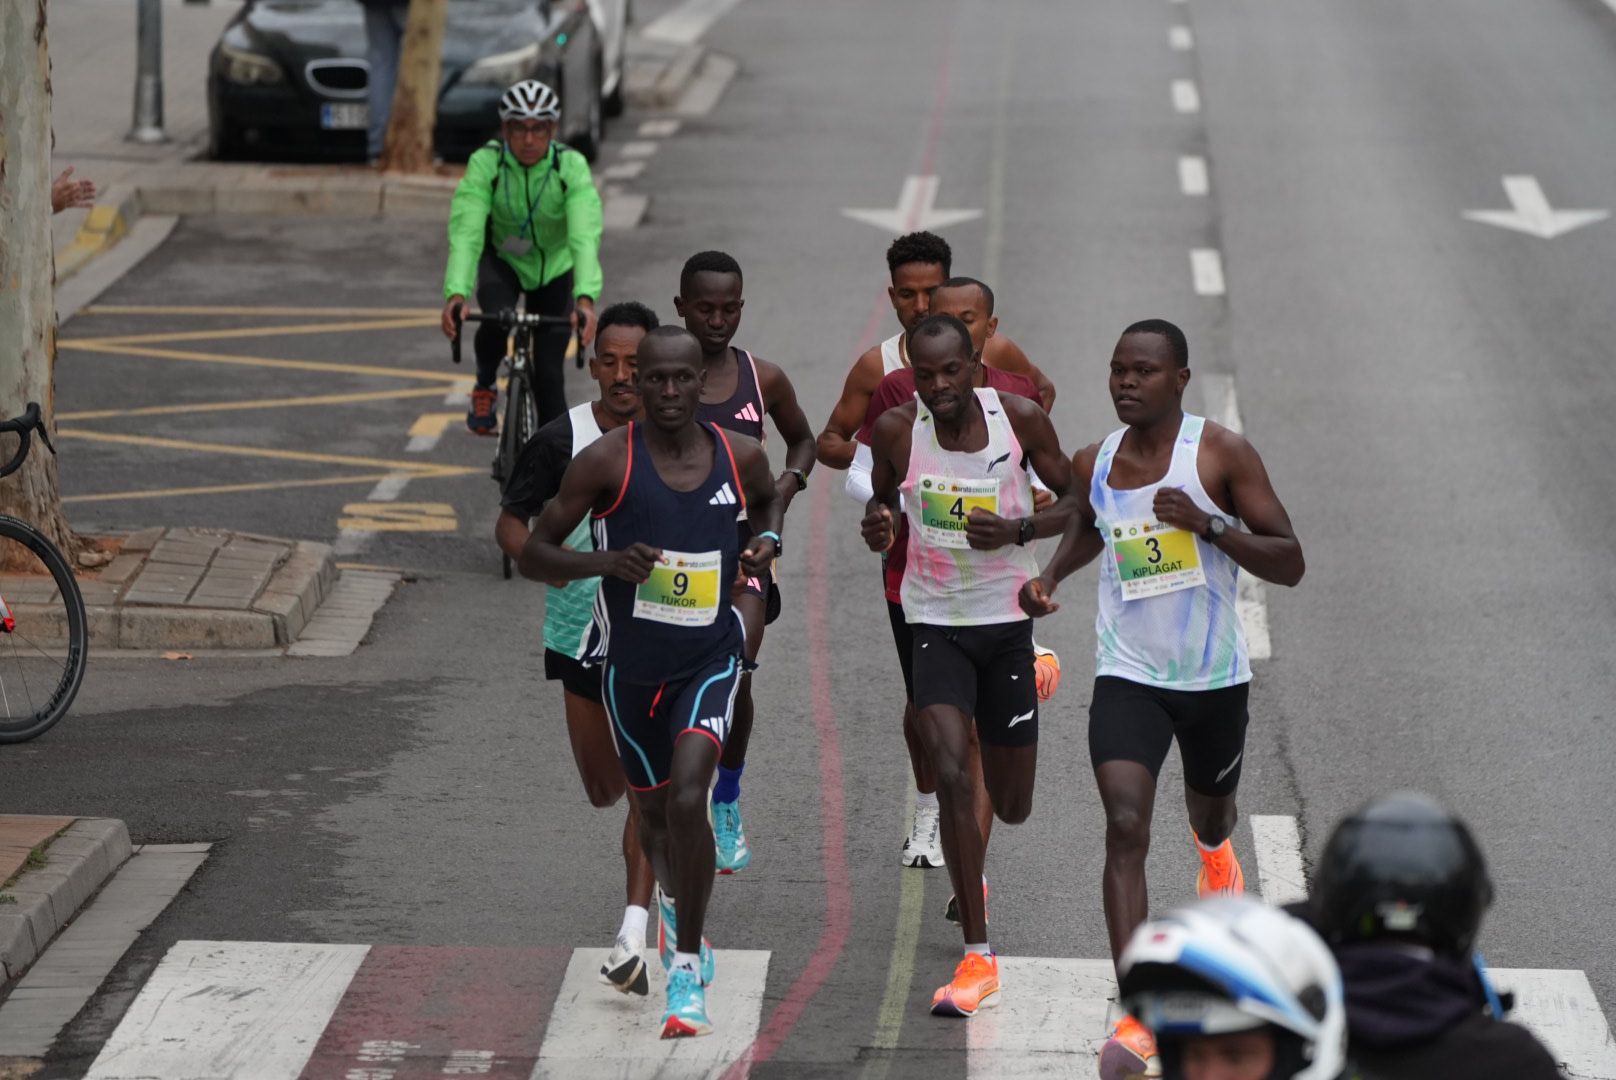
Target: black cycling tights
{"x":497,"y":290}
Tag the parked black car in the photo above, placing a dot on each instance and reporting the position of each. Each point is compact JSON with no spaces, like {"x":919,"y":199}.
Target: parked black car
{"x":287,"y":78}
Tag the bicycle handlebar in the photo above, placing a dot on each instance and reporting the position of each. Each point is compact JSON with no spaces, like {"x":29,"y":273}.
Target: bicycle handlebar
{"x":24,"y":427}
{"x":510,"y":319}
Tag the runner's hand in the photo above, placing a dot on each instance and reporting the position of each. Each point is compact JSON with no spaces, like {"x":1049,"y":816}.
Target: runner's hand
{"x":1042,"y":499}
{"x":634,"y":563}
{"x":1037,"y":598}
{"x":583,"y":313}
{"x":987,"y":531}
{"x":452,"y":312}
{"x":758,"y":555}
{"x":68,"y":193}
{"x":878,"y":529}
{"x":1173,"y":507}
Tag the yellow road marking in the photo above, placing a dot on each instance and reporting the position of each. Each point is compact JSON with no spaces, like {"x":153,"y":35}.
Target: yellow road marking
{"x":415,"y":468}
{"x":205,"y":309}
{"x":900,"y":971}
{"x":224,"y":489}
{"x":433,"y":425}
{"x":170,"y":336}
{"x":263,"y":362}
{"x":262,"y":403}
{"x":399,"y":517}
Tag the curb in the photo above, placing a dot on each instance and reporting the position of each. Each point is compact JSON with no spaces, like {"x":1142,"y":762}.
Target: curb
{"x":107,"y":223}
{"x":77,"y":863}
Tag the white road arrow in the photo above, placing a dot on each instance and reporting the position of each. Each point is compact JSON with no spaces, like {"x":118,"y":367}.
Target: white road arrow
{"x":1532,"y":213}
{"x":914,"y":210}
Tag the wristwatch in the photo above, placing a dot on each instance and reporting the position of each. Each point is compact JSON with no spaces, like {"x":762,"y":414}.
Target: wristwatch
{"x":802,"y":478}
{"x":1025,"y":533}
{"x":1215,"y":528}
{"x":772,"y":535}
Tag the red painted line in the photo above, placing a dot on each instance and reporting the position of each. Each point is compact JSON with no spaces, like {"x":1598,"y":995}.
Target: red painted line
{"x":832,"y":805}
{"x":415,"y":1012}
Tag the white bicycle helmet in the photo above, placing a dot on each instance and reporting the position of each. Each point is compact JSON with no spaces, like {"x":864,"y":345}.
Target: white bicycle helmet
{"x":1233,"y":964}
{"x":530,"y":100}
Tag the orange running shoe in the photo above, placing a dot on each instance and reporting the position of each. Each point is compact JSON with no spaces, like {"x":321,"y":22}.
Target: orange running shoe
{"x":975,"y":986}
{"x":1220,"y":873}
{"x":1130,"y":1053}
{"x":1046,"y":671}
{"x":480,"y":417}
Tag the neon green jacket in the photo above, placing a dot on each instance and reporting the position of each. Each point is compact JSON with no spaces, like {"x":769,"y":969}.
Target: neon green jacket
{"x":552,"y":205}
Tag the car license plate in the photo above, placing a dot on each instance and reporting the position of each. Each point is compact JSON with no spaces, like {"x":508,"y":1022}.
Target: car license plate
{"x":345,"y":116}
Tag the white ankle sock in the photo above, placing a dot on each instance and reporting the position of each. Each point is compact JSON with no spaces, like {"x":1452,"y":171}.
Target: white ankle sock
{"x":925,"y":800}
{"x":633,"y":928}
{"x":687,"y":961}
{"x":980,"y":950}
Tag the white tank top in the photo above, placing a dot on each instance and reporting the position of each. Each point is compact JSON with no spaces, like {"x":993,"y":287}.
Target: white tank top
{"x":1186,"y":639}
{"x":946,"y":582}
{"x":892,"y":355}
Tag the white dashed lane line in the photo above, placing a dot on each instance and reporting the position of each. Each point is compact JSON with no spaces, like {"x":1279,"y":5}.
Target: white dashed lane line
{"x":1186,"y":98}
{"x":638,"y":148}
{"x":659,"y":129}
{"x":1180,"y":38}
{"x":625,"y":170}
{"x":1192,"y":177}
{"x":1206,"y":267}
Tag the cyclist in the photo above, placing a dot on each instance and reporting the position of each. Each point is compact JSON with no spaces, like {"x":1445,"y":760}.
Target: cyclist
{"x":525,"y":222}
{"x":1399,"y":895}
{"x":1234,"y":990}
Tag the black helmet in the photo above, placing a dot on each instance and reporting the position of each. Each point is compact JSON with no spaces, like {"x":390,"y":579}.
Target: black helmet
{"x":1402,"y":866}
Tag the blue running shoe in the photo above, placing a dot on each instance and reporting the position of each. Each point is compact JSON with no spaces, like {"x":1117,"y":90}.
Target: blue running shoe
{"x":687,"y":1007}
{"x":668,"y":938}
{"x":729,"y":838}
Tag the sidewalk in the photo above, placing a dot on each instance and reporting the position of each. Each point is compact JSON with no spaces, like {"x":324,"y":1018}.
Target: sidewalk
{"x":49,"y":868}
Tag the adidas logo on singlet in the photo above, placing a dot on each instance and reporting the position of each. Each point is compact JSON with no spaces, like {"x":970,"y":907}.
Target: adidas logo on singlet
{"x":723,"y":497}
{"x":749,"y":413}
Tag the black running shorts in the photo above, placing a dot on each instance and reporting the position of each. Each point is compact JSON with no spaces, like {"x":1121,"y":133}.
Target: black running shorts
{"x":904,"y":638}
{"x":572,"y":675}
{"x":1130,"y":721}
{"x":986,"y":672}
{"x":648,"y":720}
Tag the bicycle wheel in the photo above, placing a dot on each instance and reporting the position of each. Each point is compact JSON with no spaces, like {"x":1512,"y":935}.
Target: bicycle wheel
{"x":44,"y":633}
{"x":521,"y":423}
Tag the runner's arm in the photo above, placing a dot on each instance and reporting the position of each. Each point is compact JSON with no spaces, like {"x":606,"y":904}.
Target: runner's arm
{"x":1270,"y":549}
{"x":1080,"y":544}
{"x":836,"y":446}
{"x":535,"y":478}
{"x":595,"y":476}
{"x":780,"y":401}
{"x":1002,"y":353}
{"x":987,"y":531}
{"x":765,"y":509}
{"x":879,"y":526}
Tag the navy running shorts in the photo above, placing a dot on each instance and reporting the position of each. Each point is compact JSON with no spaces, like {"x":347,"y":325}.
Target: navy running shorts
{"x":648,"y":720}
{"x":1130,"y":721}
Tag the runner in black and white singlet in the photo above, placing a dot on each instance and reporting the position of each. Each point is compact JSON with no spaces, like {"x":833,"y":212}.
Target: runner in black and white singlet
{"x":664,"y":495}
{"x":741,"y":390}
{"x":1165,"y":498}
{"x":960,"y":456}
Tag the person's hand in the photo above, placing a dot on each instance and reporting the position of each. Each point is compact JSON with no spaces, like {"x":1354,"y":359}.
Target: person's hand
{"x":1037,"y":598}
{"x":878,"y":529}
{"x":634,"y":563}
{"x":583,"y":316}
{"x":1042,"y":499}
{"x":68,"y":193}
{"x":452,"y":313}
{"x":757,"y":556}
{"x":1173,"y":507}
{"x":987,"y":531}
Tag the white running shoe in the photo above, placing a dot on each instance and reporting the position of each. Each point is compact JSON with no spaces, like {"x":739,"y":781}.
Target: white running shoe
{"x":924,"y":847}
{"x":625,"y":969}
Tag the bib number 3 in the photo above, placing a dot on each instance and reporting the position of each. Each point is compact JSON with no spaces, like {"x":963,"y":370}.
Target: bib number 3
{"x":1153,"y":559}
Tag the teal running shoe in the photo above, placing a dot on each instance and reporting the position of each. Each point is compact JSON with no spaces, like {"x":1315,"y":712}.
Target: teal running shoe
{"x":729,"y":838}
{"x":668,"y":938}
{"x":687,"y":1007}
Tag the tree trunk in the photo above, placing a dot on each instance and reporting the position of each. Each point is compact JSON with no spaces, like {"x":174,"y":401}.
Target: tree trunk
{"x":27,"y":264}
{"x":407,"y":146}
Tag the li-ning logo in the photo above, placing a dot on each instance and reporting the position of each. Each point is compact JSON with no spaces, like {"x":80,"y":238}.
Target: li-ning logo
{"x":723,"y":496}
{"x":749,"y":413}
{"x":998,"y":461}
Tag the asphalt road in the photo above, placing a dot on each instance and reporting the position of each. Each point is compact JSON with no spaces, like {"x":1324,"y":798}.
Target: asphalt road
{"x":1431,"y":396}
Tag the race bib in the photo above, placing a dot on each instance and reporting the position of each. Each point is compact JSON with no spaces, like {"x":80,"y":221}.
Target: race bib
{"x":946,"y":505}
{"x":1153,"y":558}
{"x":682,"y":589}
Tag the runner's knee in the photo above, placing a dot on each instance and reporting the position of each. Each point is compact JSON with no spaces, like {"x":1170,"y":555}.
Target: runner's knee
{"x":1127,"y":832}
{"x":687,"y":806}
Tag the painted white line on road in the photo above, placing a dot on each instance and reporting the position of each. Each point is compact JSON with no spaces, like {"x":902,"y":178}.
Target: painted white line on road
{"x":915,"y":209}
{"x":1251,"y":600}
{"x":659,"y":129}
{"x":216,"y":1009}
{"x":624,"y":170}
{"x":461,"y":394}
{"x":1180,"y":38}
{"x":712,"y":79}
{"x":638,"y":148}
{"x":1561,"y":1009}
{"x":1531,"y":213}
{"x":1192,"y":176}
{"x":1206,"y":267}
{"x":350,"y":541}
{"x":593,"y":1035}
{"x":1186,"y":98}
{"x":75,"y":964}
{"x":425,"y":433}
{"x":623,"y":210}
{"x":1051,"y":1013}
{"x":687,"y":22}
{"x":1279,"y":858}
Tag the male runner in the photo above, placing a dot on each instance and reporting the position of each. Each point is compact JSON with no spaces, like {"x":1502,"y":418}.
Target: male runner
{"x":1167,"y":495}
{"x":917,"y":263}
{"x":959,"y":456}
{"x":663,"y":495}
{"x":970,"y":301}
{"x":741,"y":389}
{"x":567,"y":608}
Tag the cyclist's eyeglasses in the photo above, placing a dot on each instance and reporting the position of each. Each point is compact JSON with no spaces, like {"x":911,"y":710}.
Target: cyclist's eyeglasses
{"x":536,"y":129}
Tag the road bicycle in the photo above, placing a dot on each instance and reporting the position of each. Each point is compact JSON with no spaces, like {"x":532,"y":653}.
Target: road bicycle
{"x":44,"y":633}
{"x":521,"y":420}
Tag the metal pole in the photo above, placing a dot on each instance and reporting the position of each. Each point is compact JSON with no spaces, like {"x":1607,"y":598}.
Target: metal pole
{"x":148,"y":74}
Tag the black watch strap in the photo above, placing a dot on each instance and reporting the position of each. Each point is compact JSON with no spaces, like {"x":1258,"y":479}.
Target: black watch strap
{"x":1025,"y":533}
{"x":802,"y":478}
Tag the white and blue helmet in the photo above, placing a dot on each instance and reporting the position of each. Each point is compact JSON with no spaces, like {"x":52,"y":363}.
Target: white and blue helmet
{"x":1232,"y":964}
{"x":530,"y":100}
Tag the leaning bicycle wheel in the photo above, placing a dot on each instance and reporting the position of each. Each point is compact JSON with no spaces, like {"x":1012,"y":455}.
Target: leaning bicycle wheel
{"x":521,"y":424}
{"x":44,"y":634}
